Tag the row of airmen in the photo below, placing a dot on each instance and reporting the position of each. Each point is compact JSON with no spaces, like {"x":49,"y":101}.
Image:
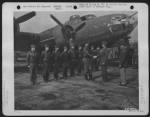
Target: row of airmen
{"x":72,"y":59}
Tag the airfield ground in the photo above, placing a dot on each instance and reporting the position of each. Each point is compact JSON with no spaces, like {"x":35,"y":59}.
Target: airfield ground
{"x":76,"y":93}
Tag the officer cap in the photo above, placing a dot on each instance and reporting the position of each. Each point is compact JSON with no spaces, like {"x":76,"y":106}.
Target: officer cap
{"x":33,"y":46}
{"x":86,"y":44}
{"x":122,"y":42}
{"x":79,"y":46}
{"x":46,"y":45}
{"x":104,"y":42}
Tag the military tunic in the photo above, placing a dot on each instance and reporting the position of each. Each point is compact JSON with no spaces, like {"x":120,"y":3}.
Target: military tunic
{"x":123,"y":63}
{"x":135,"y":57}
{"x":65,"y":63}
{"x":87,"y":64}
{"x":73,"y":61}
{"x":80,"y":62}
{"x":47,"y":59}
{"x":94,"y":60}
{"x":32,"y":61}
{"x":57,"y":58}
{"x":104,"y":62}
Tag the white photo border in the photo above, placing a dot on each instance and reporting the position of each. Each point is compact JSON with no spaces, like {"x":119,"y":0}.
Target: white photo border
{"x":8,"y":9}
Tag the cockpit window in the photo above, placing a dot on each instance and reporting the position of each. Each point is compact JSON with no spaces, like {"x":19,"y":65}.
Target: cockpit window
{"x":74,"y":17}
{"x":116,"y":19}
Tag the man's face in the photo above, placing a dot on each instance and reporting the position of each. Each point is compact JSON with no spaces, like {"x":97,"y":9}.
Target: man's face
{"x":98,"y":48}
{"x":122,"y":46}
{"x":72,"y":47}
{"x":80,"y":47}
{"x":65,"y":49}
{"x":46,"y":48}
{"x":92,"y":48}
{"x":86,"y":44}
{"x":103,"y":45}
{"x":56,"y":48}
{"x":32,"y":49}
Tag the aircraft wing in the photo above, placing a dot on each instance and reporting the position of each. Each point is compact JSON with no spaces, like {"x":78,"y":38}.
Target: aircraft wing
{"x":47,"y":35}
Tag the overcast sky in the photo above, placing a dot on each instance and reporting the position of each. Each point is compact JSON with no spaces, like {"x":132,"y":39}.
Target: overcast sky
{"x":42,"y":20}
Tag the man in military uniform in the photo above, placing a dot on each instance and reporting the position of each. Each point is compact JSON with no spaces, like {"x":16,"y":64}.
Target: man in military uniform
{"x":32,"y":63}
{"x":86,"y":62}
{"x":93,"y":52}
{"x":47,"y":59}
{"x":124,"y":51}
{"x":56,"y":66}
{"x":130,"y":55}
{"x":80,"y":62}
{"x":104,"y":60}
{"x":116,"y":52}
{"x":98,"y":59}
{"x":135,"y":56}
{"x":65,"y":62}
{"x":73,"y":60}
{"x":71,"y":42}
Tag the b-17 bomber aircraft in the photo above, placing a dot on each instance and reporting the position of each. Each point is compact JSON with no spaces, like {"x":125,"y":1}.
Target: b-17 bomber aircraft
{"x":81,"y":29}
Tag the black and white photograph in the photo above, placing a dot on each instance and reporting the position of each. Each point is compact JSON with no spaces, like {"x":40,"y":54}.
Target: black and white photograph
{"x":76,"y":61}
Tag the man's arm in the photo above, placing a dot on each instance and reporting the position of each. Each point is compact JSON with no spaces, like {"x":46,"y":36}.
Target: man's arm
{"x":41,"y":57}
{"x":28,"y":58}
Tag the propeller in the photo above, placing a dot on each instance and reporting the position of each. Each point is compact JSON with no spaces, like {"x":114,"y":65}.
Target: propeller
{"x":57,"y":21}
{"x":25,"y":17}
{"x":67,"y":30}
{"x":22,"y":19}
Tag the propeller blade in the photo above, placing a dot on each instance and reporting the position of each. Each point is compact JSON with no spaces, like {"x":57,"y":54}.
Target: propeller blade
{"x":128,"y":16}
{"x":132,"y":15}
{"x":80,"y":27}
{"x":25,"y":17}
{"x":57,"y":21}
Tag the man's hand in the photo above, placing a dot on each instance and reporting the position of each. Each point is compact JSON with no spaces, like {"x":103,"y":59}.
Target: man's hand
{"x":28,"y":66}
{"x":94,"y":57}
{"x":119,"y":66}
{"x":103,"y":63}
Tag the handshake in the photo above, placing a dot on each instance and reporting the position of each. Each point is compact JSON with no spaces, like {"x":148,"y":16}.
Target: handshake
{"x":94,"y":57}
{"x":28,"y":66}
